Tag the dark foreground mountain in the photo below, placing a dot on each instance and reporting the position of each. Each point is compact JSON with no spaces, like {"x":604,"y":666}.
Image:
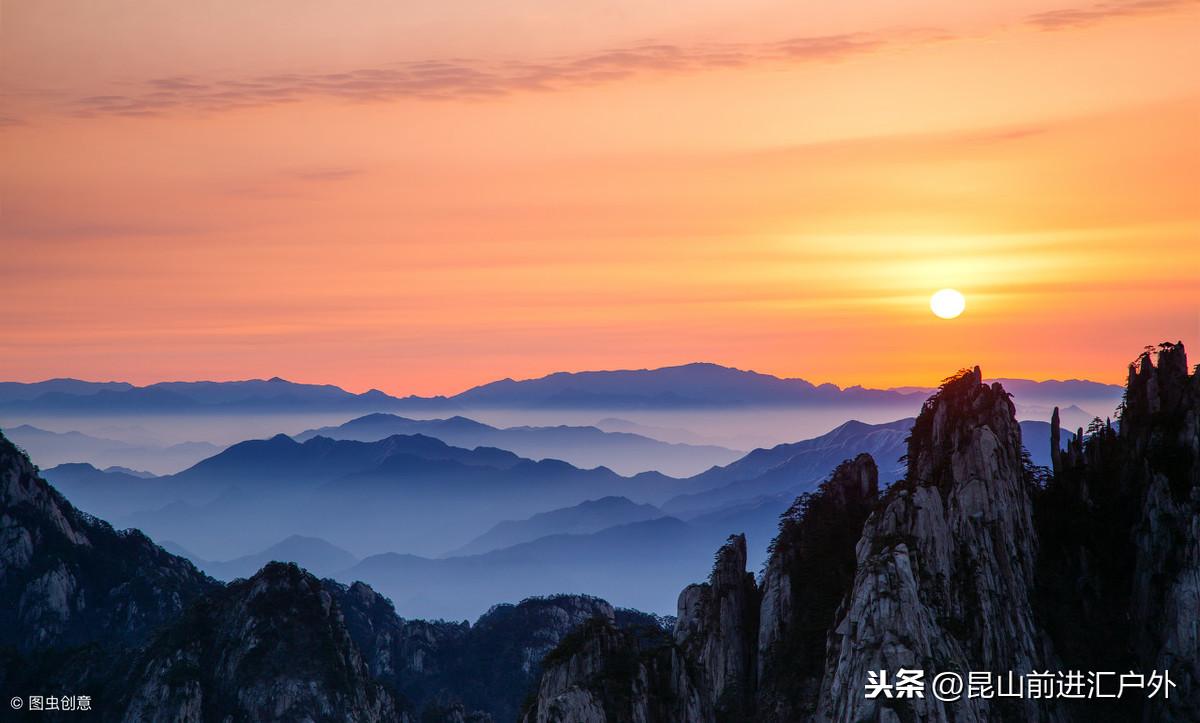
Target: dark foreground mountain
{"x":975,"y":561}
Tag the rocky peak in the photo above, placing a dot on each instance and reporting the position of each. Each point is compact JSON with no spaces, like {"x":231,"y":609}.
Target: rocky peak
{"x":501,"y":655}
{"x":1160,"y":432}
{"x":945,"y":569}
{"x":601,"y":673}
{"x":963,"y":418}
{"x":1154,"y":388}
{"x":809,"y":572}
{"x":1120,"y":566}
{"x":716,"y":627}
{"x":272,"y":647}
{"x":68,"y":579}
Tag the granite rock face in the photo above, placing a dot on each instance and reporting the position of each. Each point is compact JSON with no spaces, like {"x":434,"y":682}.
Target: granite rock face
{"x":601,"y":673}
{"x":1123,"y":516}
{"x":716,"y":629}
{"x":809,"y":572}
{"x":946,"y":566}
{"x":455,"y":670}
{"x":1160,"y":427}
{"x":708,"y":669}
{"x":273,"y":647}
{"x":68,"y":579}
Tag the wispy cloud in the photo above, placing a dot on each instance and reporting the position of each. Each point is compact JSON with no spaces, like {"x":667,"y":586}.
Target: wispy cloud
{"x":467,"y":79}
{"x":1085,"y":15}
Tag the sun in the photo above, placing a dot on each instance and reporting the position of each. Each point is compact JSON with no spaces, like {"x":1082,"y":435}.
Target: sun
{"x":947,"y":303}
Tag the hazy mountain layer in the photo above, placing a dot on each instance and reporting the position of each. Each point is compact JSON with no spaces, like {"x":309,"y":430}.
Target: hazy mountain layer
{"x":586,"y":517}
{"x":53,"y":448}
{"x":581,"y":446}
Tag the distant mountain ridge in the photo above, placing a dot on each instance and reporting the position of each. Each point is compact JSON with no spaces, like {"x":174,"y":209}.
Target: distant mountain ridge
{"x":695,"y":385}
{"x":318,"y":556}
{"x":582,"y":446}
{"x":585,"y":517}
{"x":274,"y":394}
{"x":52,"y":448}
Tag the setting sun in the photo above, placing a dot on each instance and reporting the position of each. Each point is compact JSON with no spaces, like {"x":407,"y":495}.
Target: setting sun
{"x":947,"y":303}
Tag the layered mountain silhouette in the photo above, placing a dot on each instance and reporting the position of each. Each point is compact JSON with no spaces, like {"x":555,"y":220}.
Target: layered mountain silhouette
{"x":697,"y":385}
{"x":52,"y":448}
{"x":411,"y":502}
{"x":408,"y":492}
{"x":585,"y":447}
{"x":318,"y":556}
{"x":275,"y":394}
{"x":583,"y":518}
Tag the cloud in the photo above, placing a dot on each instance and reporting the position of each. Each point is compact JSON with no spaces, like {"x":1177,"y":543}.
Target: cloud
{"x":469,"y":79}
{"x":1086,"y":15}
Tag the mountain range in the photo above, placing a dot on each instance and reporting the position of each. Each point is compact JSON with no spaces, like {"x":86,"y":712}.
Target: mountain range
{"x":586,"y":447}
{"x":53,"y":448}
{"x":411,"y":508}
{"x":688,"y":386}
{"x":974,"y":560}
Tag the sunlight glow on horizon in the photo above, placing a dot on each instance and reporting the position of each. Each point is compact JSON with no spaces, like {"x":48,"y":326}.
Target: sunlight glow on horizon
{"x":789,"y":212}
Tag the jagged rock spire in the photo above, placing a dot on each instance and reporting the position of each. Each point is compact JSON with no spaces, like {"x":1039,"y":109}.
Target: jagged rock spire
{"x":809,"y":572}
{"x":945,"y":571}
{"x":1055,"y":443}
{"x":716,"y":627}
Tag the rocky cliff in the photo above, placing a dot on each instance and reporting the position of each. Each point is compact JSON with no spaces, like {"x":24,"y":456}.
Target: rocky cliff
{"x":975,"y":561}
{"x":716,"y":630}
{"x":68,"y":579}
{"x":480,"y":671}
{"x":810,"y":570}
{"x":729,"y":633}
{"x":601,"y":673}
{"x":945,"y":571}
{"x":1121,"y":530}
{"x":273,"y":647}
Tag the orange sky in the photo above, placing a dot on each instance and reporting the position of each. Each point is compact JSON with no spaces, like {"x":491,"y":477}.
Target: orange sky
{"x":420,"y":197}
